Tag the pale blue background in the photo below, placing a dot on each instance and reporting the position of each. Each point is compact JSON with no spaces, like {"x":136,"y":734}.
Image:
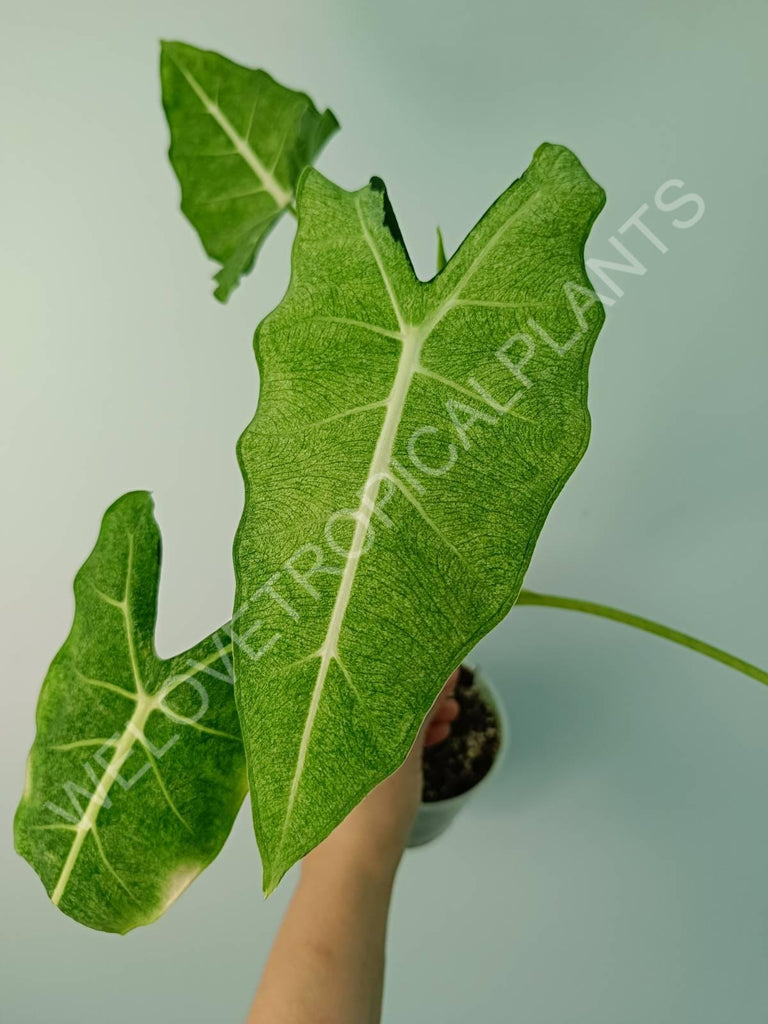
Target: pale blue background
{"x":615,"y":871}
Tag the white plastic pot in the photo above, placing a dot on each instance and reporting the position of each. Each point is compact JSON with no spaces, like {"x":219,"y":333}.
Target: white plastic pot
{"x":435,"y":817}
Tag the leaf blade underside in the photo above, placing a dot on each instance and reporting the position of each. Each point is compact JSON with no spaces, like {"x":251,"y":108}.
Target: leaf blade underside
{"x":137,"y":770}
{"x":239,"y":141}
{"x":369,"y":405}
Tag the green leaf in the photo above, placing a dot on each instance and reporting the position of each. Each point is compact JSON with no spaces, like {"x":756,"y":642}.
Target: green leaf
{"x":442,"y":259}
{"x":239,"y":142}
{"x":137,"y":769}
{"x":392,"y":505}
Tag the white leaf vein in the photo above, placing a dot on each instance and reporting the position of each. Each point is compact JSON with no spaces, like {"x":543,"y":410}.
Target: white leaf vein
{"x":281,"y":196}
{"x":413,"y":337}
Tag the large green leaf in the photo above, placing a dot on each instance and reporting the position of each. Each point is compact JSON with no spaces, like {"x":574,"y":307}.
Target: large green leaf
{"x":409,"y":442}
{"x":137,"y":770}
{"x":239,"y":142}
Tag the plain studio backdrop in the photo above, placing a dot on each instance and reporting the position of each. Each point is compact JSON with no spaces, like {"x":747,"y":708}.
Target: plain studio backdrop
{"x":614,"y":871}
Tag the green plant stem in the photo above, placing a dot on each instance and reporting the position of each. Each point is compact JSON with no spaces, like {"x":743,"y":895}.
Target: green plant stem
{"x":647,"y":625}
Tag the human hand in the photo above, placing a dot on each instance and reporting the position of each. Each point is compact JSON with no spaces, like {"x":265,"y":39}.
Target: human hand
{"x":327,"y":962}
{"x":375,"y":832}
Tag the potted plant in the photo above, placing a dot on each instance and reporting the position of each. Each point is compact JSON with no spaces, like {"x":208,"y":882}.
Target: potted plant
{"x":409,"y":441}
{"x":471,"y":754}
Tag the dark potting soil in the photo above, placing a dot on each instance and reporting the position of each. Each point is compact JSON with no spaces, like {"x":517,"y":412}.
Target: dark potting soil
{"x":461,"y":761}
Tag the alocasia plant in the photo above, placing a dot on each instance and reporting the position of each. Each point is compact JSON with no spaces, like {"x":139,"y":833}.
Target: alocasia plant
{"x":239,"y":142}
{"x":111,"y":714}
{"x":137,"y":771}
{"x":409,"y":442}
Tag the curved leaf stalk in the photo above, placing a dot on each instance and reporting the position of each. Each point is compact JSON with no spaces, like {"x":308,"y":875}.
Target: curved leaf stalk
{"x":648,"y":626}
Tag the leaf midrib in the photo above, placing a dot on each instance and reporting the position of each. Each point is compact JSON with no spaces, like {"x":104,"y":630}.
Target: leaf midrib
{"x":146,"y":703}
{"x":412,"y":337}
{"x":266,"y":178}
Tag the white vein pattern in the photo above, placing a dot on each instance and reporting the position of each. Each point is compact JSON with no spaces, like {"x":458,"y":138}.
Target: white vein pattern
{"x":145,"y":705}
{"x":412,"y":338}
{"x":265,"y":177}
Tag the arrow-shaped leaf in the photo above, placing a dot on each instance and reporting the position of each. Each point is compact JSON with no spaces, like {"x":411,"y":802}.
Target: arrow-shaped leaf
{"x":410,"y":440}
{"x":239,"y":142}
{"x":137,"y":770}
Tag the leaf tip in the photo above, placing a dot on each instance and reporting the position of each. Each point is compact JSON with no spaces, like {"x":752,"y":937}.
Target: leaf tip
{"x":330,"y":123}
{"x":167,"y":49}
{"x":389,"y":220}
{"x":441,"y":258}
{"x":272,"y":871}
{"x":549,"y":154}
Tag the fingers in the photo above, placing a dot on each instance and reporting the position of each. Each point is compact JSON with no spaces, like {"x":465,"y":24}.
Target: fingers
{"x":437,"y":733}
{"x":450,"y":686}
{"x":446,"y":707}
{"x":445,"y":699}
{"x":446,"y":711}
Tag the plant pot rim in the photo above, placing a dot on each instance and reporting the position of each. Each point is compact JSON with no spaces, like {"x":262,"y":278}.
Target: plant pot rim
{"x":489,"y":692}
